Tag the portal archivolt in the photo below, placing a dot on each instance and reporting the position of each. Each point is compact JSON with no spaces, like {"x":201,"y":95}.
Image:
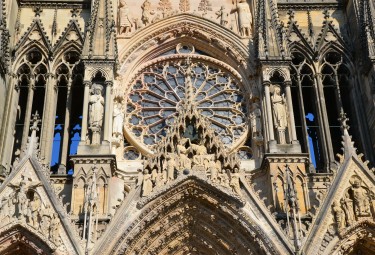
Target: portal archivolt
{"x":193,"y":218}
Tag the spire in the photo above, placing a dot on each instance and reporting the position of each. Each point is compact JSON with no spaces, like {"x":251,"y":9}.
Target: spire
{"x":100,"y":38}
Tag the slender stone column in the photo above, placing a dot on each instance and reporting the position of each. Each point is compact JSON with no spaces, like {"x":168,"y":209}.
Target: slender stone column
{"x":269,"y":110}
{"x":291,"y":111}
{"x":64,"y":148}
{"x":28,"y":110}
{"x":108,"y":115}
{"x":85,"y":110}
{"x":48,"y":120}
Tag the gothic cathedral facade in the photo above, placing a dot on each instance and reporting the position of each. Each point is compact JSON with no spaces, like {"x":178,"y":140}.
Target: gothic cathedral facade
{"x":187,"y":127}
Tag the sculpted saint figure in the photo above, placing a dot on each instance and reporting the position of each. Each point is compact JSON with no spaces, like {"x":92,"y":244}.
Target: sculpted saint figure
{"x":118,"y":119}
{"x":34,"y":206}
{"x":171,"y":165}
{"x":21,"y":200}
{"x":223,"y":15}
{"x":185,"y":161}
{"x":361,"y":199}
{"x":224,"y":179}
{"x":214,"y":167}
{"x":54,"y":229}
{"x":147,"y":183}
{"x":146,"y":12}
{"x":96,"y":112}
{"x":125,"y":21}
{"x":235,"y":182}
{"x":256,"y":124}
{"x":46,"y":215}
{"x":245,"y":19}
{"x":339,"y":215}
{"x":279,"y":113}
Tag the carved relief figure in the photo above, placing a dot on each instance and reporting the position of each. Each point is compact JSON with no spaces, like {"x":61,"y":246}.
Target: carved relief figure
{"x":146,"y":12}
{"x":245,"y":19}
{"x":125,"y":21}
{"x":34,"y":206}
{"x":339,"y":215}
{"x":224,"y":179}
{"x":235,"y":182}
{"x":96,"y":112}
{"x":147,"y":183}
{"x":214,"y":167}
{"x":256,"y":124}
{"x":185,"y":162}
{"x":223,"y":15}
{"x":360,"y":197}
{"x":55,"y":229}
{"x":118,"y":120}
{"x":279,"y":113}
{"x":46,"y":215}
{"x":171,"y":165}
{"x":347,"y":206}
{"x":21,"y":201}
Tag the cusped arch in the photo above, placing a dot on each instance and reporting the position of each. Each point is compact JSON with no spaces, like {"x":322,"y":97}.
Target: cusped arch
{"x":194,"y":218}
{"x":20,"y":239}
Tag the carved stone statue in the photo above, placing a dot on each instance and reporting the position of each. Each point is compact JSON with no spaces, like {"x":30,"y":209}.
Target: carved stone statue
{"x":256,"y":124}
{"x":55,"y":229}
{"x":339,"y":215}
{"x":171,"y":166}
{"x":279,"y":113}
{"x":235,"y":182}
{"x":96,"y":112}
{"x":118,"y":120}
{"x":21,"y":201}
{"x":347,"y":206}
{"x":34,"y":207}
{"x":46,"y":214}
{"x":125,"y":21}
{"x":224,"y":179}
{"x":224,"y":16}
{"x":360,"y":198}
{"x":146,"y":12}
{"x":245,"y":19}
{"x":147,"y":183}
{"x":185,"y":161}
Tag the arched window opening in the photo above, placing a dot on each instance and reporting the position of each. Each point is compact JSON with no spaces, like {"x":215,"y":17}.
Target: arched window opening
{"x":69,"y":73}
{"x":336,"y":86}
{"x":305,"y":110}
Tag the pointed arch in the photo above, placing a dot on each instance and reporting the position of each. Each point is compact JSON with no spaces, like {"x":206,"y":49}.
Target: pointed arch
{"x":189,"y":217}
{"x":21,"y":239}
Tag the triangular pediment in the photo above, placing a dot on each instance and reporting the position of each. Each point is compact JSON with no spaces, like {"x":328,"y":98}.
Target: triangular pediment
{"x":35,"y":35}
{"x":298,"y":38}
{"x":347,"y":203}
{"x":72,"y":36}
{"x":329,"y":36}
{"x":27,"y":199}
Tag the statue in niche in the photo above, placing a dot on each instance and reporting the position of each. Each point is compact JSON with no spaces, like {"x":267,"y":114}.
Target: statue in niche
{"x":245,"y":19}
{"x":339,"y":215}
{"x":118,"y":120}
{"x":96,"y":112}
{"x":235,"y":182}
{"x":125,"y":21}
{"x":360,"y":198}
{"x":147,"y":183}
{"x":279,"y":113}
{"x":146,"y":12}
{"x":223,"y":15}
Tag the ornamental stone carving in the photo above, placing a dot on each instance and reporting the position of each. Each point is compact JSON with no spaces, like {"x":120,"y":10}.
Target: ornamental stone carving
{"x":96,"y":112}
{"x":126,"y":23}
{"x":245,"y":19}
{"x":279,"y":110}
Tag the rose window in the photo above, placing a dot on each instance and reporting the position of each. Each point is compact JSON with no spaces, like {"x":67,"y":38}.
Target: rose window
{"x":157,"y":93}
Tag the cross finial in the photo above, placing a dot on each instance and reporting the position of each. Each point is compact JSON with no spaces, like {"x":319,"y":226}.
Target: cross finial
{"x":75,"y":12}
{"x":38,"y":10}
{"x":35,"y":122}
{"x":291,"y":14}
{"x":343,"y":119}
